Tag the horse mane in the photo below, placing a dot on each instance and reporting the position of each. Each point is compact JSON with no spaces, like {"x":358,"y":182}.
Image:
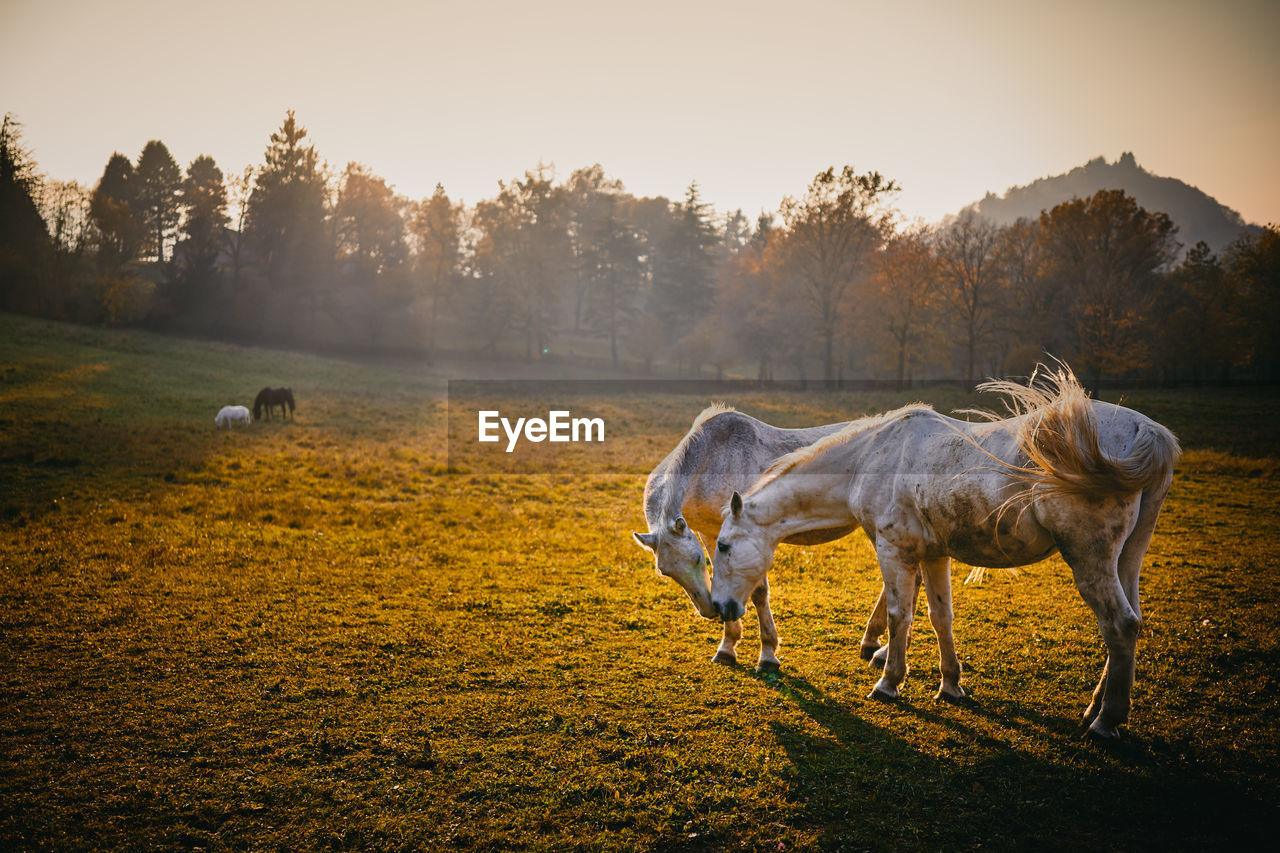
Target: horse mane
{"x":1057,"y":430}
{"x":678,"y":460}
{"x":787,"y":462}
{"x":695,"y":435}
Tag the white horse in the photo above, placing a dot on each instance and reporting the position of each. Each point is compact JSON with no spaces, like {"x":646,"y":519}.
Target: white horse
{"x":1064,"y":473}
{"x":229,"y":415}
{"x":684,"y":501}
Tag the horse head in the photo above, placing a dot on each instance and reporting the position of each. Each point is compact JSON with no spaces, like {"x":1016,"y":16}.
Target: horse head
{"x":678,"y":555}
{"x":742,"y":559}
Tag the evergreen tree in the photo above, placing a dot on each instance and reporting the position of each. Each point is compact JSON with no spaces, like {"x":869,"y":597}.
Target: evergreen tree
{"x":113,"y":210}
{"x":611,"y":266}
{"x":684,"y":267}
{"x":159,"y":187}
{"x":122,"y":236}
{"x":285,"y":222}
{"x":204,"y":222}
{"x":23,"y":235}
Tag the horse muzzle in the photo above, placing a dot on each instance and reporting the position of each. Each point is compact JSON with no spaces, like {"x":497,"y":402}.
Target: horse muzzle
{"x":728,"y":611}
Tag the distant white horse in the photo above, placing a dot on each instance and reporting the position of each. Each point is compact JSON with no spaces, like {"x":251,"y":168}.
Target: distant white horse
{"x":685,"y":498}
{"x":1063,"y":473}
{"x":229,"y":415}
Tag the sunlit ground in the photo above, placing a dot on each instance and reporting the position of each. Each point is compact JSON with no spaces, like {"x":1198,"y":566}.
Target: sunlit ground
{"x":312,"y":635}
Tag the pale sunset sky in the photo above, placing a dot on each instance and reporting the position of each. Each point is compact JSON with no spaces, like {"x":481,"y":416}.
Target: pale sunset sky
{"x":751,"y":99}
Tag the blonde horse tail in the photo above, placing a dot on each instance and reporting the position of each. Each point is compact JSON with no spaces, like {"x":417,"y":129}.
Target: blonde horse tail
{"x":1059,"y":436}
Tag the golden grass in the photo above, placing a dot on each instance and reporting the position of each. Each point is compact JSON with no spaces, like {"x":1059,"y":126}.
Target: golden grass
{"x":310,"y":636}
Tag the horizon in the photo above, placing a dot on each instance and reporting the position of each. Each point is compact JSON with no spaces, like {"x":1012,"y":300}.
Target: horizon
{"x":952,"y":105}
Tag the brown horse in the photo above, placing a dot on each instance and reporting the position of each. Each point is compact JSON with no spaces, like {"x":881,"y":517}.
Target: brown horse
{"x":270,"y":398}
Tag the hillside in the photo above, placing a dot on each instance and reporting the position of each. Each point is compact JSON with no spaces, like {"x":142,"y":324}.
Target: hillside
{"x":1198,"y":215}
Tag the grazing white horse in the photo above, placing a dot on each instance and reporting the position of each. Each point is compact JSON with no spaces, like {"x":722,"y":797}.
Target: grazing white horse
{"x":685,"y":497}
{"x":1064,"y":473}
{"x":229,"y":415}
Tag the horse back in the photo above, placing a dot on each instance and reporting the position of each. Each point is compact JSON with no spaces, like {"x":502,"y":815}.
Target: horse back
{"x":718,"y":455}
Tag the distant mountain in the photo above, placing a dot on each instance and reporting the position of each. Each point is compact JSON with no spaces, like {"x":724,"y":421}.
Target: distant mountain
{"x":1198,"y":215}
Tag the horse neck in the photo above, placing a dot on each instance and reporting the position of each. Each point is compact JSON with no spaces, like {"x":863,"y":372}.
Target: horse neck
{"x":664,"y":493}
{"x":802,"y":500}
{"x":669,"y":485}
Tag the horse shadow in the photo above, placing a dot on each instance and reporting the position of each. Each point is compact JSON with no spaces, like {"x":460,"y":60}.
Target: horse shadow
{"x":997,"y":774}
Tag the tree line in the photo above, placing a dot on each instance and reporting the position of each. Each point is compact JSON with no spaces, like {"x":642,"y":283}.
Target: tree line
{"x":833,"y":286}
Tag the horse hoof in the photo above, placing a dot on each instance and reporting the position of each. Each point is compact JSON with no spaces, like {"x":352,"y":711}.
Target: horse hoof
{"x":883,"y":696}
{"x":877,"y":661}
{"x":725,"y":659}
{"x":869,"y":652}
{"x":768,"y":666}
{"x":1103,"y":734}
{"x":960,"y":701}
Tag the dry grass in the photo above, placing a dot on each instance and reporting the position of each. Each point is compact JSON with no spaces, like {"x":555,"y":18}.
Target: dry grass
{"x":312,"y":636}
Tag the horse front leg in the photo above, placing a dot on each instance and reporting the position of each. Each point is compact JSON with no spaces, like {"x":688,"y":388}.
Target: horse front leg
{"x":727,"y":653}
{"x":937,"y":584}
{"x":899,"y":572}
{"x":768,"y":661}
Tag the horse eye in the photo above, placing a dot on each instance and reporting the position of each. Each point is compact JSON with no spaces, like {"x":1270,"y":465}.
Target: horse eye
{"x":723,"y":546}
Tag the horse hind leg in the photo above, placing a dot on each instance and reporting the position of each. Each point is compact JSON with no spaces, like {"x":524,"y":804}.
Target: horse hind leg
{"x":876,"y":625}
{"x":1135,"y":546}
{"x":900,"y":572}
{"x":1098,"y":582}
{"x":1128,"y":568}
{"x":937,"y":582}
{"x":871,"y":650}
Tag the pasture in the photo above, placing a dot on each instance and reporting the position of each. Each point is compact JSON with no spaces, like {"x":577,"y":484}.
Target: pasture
{"x":317,"y":635}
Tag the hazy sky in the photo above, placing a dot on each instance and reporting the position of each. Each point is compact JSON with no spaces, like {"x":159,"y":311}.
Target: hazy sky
{"x":749,"y":98}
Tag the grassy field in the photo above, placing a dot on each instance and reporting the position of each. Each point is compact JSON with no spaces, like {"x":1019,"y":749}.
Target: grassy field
{"x":314,"y":635}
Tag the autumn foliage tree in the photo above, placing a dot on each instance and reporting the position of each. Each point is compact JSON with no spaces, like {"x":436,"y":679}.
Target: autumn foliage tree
{"x":1107,"y":254}
{"x":1253,"y":264}
{"x":523,"y":253}
{"x":830,"y":234}
{"x":294,"y":251}
{"x":971,"y":283}
{"x":435,"y":230}
{"x":905,"y":290}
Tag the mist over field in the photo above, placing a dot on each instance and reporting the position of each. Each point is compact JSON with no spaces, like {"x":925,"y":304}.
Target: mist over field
{"x":575,"y":270}
{"x":401,"y":403}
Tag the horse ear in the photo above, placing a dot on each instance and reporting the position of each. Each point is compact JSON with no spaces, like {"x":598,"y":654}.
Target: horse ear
{"x":735,"y":504}
{"x":678,"y":526}
{"x":646,"y":540}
